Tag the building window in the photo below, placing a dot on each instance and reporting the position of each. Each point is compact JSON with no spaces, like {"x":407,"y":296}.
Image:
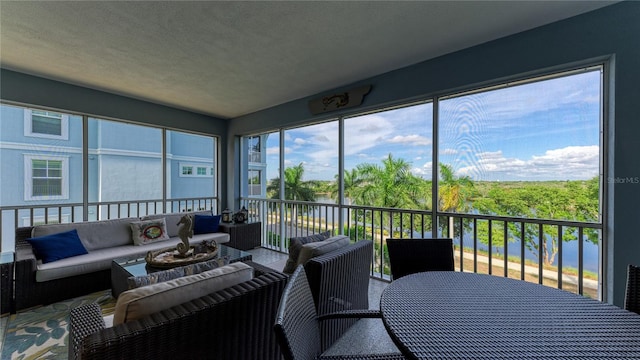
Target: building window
{"x":254,"y":149}
{"x":46,"y":124}
{"x":187,"y":170}
{"x":46,"y":177}
{"x":255,"y":182}
{"x":193,"y":170}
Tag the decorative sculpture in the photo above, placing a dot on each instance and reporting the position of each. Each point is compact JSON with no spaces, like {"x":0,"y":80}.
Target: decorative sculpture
{"x":184,"y":233}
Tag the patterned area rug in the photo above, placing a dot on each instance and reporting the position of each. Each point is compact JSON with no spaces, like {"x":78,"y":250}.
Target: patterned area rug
{"x":42,"y":333}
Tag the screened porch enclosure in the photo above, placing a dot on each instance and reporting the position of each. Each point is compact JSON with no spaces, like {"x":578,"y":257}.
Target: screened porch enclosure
{"x":514,"y":173}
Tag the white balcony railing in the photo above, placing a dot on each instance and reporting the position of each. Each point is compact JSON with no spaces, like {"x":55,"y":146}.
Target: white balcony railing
{"x":12,"y":217}
{"x":570,"y":256}
{"x":562,"y":254}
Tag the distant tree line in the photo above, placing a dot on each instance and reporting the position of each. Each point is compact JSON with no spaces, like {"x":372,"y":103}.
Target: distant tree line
{"x":391,"y":184}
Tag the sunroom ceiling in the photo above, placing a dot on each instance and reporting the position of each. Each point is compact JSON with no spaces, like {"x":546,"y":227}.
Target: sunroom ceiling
{"x":228,"y":59}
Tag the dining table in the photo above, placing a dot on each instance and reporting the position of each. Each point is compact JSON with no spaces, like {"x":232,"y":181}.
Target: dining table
{"x":459,"y":315}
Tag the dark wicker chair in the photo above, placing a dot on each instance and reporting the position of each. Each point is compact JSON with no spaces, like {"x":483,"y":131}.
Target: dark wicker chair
{"x":632,"y":295}
{"x":339,"y":281}
{"x":410,"y":256}
{"x":297,"y":328}
{"x":233,"y":323}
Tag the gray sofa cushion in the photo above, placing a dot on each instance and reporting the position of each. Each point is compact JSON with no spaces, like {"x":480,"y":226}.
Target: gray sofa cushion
{"x":170,"y":274}
{"x":100,"y":259}
{"x":146,"y":300}
{"x":295,"y":245}
{"x":318,"y":248}
{"x":93,"y":234}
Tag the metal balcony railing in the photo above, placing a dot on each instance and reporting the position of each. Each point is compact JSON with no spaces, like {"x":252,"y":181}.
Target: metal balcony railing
{"x":562,"y":254}
{"x":557,"y":253}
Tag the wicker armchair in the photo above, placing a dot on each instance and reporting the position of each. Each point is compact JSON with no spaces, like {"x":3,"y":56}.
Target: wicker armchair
{"x":339,"y":281}
{"x":297,"y":328}
{"x":632,"y":295}
{"x":233,"y":323}
{"x":409,"y":256}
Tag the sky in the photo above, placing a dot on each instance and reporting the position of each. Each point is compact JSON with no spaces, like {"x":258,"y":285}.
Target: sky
{"x":543,"y":130}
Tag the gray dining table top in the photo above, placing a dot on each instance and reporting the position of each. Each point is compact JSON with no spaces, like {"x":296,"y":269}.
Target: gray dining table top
{"x":455,"y":315}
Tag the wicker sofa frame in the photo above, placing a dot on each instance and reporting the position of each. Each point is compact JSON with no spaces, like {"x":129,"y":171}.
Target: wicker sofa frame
{"x":28,"y":292}
{"x":233,"y":323}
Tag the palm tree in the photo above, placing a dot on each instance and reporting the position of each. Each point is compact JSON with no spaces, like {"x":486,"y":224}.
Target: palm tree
{"x":294,"y":187}
{"x":390,"y":185}
{"x":453,"y":192}
{"x":352,"y":181}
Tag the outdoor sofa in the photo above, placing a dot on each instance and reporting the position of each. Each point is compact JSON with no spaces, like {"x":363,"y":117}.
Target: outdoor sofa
{"x":39,"y":283}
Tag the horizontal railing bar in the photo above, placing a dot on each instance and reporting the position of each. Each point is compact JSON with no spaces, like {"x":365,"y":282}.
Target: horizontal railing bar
{"x":569,"y":223}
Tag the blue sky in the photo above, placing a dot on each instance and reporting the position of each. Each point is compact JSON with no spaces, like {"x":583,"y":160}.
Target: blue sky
{"x":545,"y":130}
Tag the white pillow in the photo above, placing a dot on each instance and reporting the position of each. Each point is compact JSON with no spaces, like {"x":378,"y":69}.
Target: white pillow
{"x":148,"y":231}
{"x":137,"y":303}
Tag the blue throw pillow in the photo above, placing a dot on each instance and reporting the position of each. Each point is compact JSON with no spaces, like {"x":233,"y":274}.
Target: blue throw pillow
{"x":203,"y":224}
{"x":57,"y":246}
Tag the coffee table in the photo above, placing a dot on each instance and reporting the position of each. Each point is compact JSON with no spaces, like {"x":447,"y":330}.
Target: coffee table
{"x":136,"y":265}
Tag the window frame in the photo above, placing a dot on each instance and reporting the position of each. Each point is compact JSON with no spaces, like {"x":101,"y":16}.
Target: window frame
{"x":28,"y":126}
{"x":195,"y":170}
{"x":28,"y":177}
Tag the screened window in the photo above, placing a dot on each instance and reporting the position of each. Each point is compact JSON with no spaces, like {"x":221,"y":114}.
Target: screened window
{"x":46,"y":178}
{"x":254,"y":149}
{"x":192,"y":170}
{"x":46,"y":124}
{"x":255,"y":181}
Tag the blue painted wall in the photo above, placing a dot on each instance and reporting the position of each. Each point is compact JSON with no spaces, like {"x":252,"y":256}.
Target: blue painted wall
{"x":611,"y":33}
{"x":27,"y":89}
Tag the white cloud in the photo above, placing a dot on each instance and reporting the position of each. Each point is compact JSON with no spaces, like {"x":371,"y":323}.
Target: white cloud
{"x":569,"y":163}
{"x":424,"y":171}
{"x":413,"y":140}
{"x":364,"y":133}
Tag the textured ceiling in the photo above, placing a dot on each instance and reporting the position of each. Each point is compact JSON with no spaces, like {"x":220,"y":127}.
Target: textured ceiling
{"x":228,"y":59}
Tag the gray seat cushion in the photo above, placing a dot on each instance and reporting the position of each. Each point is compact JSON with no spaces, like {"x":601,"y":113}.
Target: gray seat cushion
{"x":100,"y":259}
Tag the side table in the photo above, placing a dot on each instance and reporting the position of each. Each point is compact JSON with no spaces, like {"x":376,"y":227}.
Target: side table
{"x":242,"y":236}
{"x":6,"y":282}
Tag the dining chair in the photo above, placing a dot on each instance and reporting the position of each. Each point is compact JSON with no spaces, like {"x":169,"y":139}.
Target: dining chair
{"x":632,"y":294}
{"x":298,"y":331}
{"x":410,"y":256}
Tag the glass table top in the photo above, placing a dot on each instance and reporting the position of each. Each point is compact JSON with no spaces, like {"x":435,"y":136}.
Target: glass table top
{"x":137,"y":265}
